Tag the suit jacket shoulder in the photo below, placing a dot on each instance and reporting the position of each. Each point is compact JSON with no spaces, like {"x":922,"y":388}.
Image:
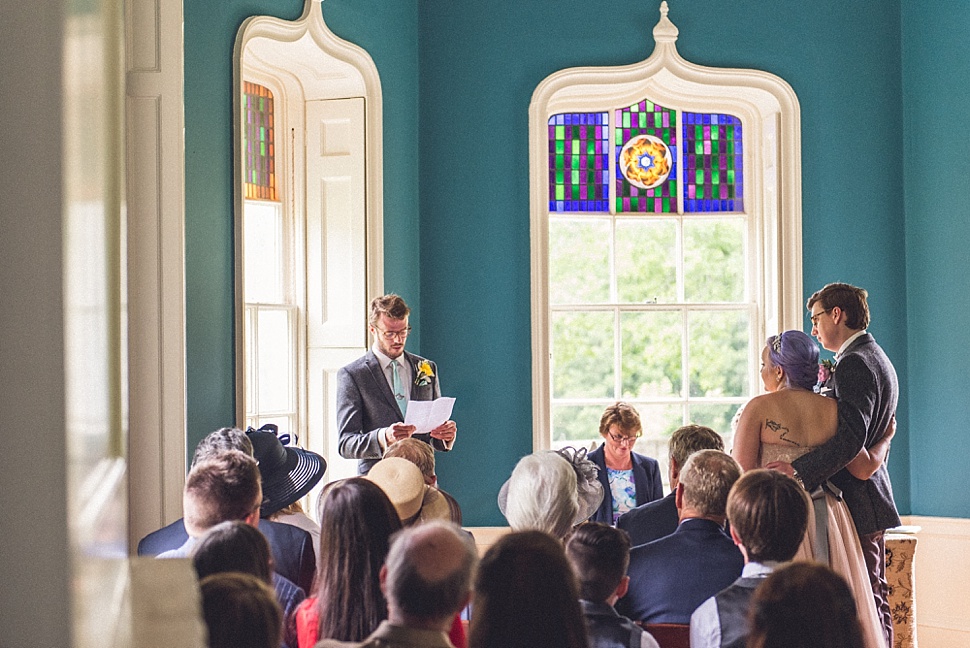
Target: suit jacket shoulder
{"x":292,"y":549}
{"x":650,"y":521}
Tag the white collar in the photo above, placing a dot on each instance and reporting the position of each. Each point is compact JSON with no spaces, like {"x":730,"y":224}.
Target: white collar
{"x":845,"y":345}
{"x":384,"y":360}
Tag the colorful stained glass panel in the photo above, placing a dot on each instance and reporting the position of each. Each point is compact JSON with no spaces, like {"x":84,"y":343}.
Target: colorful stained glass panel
{"x":646,"y":118}
{"x":713,"y":163}
{"x":260,"y":143}
{"x":578,"y":162}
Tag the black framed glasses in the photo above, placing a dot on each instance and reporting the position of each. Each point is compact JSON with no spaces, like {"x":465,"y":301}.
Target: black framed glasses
{"x":390,"y":335}
{"x":625,"y":440}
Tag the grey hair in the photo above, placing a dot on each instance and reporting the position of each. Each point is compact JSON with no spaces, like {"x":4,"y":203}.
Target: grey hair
{"x":220,"y":441}
{"x":413,"y":593}
{"x":542,"y":494}
{"x":707,"y":478}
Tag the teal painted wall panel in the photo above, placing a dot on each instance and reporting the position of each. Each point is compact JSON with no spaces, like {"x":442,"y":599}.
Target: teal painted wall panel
{"x":480,"y":63}
{"x":936,"y":83}
{"x":388,"y":31}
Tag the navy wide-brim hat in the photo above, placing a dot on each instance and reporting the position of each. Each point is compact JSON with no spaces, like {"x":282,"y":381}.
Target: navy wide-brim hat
{"x":287,"y":472}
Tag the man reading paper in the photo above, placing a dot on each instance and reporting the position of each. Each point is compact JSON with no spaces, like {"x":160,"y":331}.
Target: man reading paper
{"x":373,"y":391}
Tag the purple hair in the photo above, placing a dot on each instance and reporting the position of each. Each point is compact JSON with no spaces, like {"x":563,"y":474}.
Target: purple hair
{"x":797,"y":354}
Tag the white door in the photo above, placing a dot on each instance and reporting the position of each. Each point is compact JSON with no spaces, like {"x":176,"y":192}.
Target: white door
{"x":336,"y":300}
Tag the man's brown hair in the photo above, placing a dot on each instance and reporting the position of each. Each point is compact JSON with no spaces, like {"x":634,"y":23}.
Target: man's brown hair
{"x":225,"y":487}
{"x":850,"y":299}
{"x":688,"y":439}
{"x":600,"y":555}
{"x":390,"y":305}
{"x":769,"y":513}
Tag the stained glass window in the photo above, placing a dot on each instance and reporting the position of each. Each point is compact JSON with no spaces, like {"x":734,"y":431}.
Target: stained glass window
{"x":713,"y":175}
{"x":260,"y":143}
{"x":578,"y":162}
{"x":646,"y":151}
{"x":646,"y":141}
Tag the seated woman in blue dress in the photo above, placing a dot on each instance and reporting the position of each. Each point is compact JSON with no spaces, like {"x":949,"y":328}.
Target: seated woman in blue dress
{"x":629,"y":479}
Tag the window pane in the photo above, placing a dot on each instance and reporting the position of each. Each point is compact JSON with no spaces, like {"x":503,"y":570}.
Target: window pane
{"x":264,"y":252}
{"x":651,"y":354}
{"x":714,"y":261}
{"x":274,"y":357}
{"x":646,"y":261}
{"x":582,"y":355}
{"x":718,"y":359}
{"x":716,"y":416}
{"x":575,"y":425}
{"x":579,"y":255}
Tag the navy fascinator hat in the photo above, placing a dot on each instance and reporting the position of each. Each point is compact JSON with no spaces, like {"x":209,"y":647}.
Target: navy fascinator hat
{"x":287,"y":472}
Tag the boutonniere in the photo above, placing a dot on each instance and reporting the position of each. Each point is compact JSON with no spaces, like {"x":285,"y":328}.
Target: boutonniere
{"x":425,"y":374}
{"x":825,"y":370}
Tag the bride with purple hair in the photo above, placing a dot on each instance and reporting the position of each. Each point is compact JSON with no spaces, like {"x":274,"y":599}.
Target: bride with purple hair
{"x":792,"y":420}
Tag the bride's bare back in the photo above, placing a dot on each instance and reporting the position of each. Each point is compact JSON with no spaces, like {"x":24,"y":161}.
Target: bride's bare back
{"x":793,"y":417}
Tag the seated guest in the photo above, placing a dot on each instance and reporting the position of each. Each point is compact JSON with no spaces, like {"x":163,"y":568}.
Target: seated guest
{"x":226,"y":488}
{"x":240,"y":611}
{"x":403,"y":483}
{"x":427,"y":580}
{"x":526,"y":596}
{"x":804,"y":605}
{"x":600,"y":555}
{"x":657,"y":519}
{"x":629,"y":479}
{"x":356,"y":524}
{"x":671,"y":576}
{"x":416,"y":503}
{"x":233,"y":546}
{"x":239,"y":547}
{"x":422,"y":455}
{"x":292,"y":547}
{"x":551,"y":491}
{"x":288,"y":473}
{"x":767,"y":514}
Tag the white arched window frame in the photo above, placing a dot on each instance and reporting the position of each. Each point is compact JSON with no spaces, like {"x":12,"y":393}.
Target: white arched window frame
{"x":330,"y":178}
{"x":768,"y":108}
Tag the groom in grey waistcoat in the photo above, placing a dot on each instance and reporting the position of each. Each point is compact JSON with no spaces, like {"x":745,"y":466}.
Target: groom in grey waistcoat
{"x":864,"y":382}
{"x":373,"y":391}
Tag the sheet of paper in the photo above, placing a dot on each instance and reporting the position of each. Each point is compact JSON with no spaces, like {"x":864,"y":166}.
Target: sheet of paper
{"x":427,"y":415}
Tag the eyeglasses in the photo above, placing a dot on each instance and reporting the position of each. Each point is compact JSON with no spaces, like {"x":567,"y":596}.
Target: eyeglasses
{"x":817,"y":315}
{"x":624,"y":440}
{"x":390,"y":335}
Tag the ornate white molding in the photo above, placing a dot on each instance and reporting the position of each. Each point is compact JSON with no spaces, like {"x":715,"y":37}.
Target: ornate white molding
{"x":773,"y":181}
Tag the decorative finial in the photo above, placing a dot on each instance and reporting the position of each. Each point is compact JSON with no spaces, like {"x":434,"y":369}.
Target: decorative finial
{"x":665,"y":31}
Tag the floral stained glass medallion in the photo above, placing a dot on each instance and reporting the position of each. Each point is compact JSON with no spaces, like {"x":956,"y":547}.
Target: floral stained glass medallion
{"x":646,"y":146}
{"x":578,"y":162}
{"x":260,"y":144}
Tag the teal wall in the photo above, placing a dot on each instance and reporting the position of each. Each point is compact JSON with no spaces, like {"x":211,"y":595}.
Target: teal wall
{"x":936,"y":84}
{"x":480,"y":63}
{"x":456,"y":193}
{"x":388,"y":31}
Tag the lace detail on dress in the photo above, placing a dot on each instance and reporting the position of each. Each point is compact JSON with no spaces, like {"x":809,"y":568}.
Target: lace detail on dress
{"x":782,"y":452}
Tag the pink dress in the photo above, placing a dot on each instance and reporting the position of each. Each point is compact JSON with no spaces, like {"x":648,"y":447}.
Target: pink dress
{"x":845,"y":553}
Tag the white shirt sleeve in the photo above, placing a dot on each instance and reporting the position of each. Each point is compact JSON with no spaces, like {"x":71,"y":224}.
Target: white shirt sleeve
{"x":705,"y":626}
{"x":647,"y":641}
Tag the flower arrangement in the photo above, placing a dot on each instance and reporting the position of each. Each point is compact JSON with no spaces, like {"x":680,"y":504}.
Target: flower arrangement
{"x":424,"y":374}
{"x":825,"y":370}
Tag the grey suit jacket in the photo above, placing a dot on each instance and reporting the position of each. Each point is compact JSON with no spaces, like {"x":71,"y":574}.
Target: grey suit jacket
{"x":365,"y":405}
{"x":867,"y":389}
